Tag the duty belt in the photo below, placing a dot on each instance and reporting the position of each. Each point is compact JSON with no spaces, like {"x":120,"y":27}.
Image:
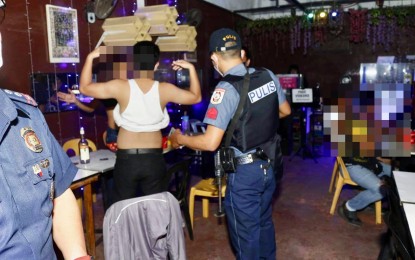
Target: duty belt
{"x":248,"y":158}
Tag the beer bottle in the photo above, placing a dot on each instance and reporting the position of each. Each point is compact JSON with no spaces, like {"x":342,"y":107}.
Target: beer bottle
{"x":83,"y":147}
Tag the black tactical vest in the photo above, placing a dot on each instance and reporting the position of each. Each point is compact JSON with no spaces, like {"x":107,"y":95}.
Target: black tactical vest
{"x":259,"y":119}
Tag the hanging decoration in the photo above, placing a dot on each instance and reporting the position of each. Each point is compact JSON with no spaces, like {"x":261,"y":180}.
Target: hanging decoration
{"x":357,"y":25}
{"x":307,"y":39}
{"x":376,"y":27}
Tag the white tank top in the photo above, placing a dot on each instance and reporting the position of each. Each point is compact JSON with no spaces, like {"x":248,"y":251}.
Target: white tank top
{"x":143,"y":112}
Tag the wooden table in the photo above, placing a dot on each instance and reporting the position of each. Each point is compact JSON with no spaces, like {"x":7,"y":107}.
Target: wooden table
{"x":100,"y":162}
{"x":85,"y":178}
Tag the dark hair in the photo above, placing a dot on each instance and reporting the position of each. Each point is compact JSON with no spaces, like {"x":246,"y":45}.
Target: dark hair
{"x":247,"y":52}
{"x":294,"y":67}
{"x":146,"y":55}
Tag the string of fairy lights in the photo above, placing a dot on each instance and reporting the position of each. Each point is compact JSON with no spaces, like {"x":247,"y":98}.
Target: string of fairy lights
{"x":312,"y":15}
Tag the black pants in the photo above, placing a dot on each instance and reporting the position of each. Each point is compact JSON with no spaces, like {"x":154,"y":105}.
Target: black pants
{"x":138,"y":175}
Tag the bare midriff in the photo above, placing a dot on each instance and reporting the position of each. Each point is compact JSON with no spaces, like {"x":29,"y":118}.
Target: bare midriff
{"x":131,"y":140}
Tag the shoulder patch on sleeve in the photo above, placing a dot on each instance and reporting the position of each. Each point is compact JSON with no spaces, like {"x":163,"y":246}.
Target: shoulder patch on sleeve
{"x":24,"y":98}
{"x":217,"y":96}
{"x":212,"y":113}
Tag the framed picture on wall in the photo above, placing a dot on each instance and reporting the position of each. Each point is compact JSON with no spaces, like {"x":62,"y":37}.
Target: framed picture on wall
{"x":63,"y":40}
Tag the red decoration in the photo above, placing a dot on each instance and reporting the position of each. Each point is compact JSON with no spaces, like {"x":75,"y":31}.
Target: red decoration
{"x":357,"y":25}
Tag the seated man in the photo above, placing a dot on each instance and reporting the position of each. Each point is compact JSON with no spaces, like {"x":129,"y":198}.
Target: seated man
{"x":367,"y":173}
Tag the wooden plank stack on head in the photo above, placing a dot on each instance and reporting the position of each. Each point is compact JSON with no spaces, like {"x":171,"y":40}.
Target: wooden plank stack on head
{"x":125,"y":31}
{"x":147,"y":22}
{"x":184,"y":40}
{"x":162,"y":19}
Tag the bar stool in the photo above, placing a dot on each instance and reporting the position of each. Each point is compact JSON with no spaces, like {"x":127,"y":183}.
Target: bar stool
{"x":206,"y":188}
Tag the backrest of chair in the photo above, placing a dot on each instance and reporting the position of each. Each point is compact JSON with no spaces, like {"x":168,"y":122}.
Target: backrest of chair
{"x":104,"y":137}
{"x":342,"y":168}
{"x":149,"y":227}
{"x":72,"y":145}
{"x":178,"y":179}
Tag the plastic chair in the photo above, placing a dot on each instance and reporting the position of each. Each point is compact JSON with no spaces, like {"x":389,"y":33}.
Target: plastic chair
{"x":334,"y":176}
{"x":343,"y":177}
{"x":71,"y":146}
{"x":104,"y":137}
{"x":179,"y":179}
{"x":206,"y":188}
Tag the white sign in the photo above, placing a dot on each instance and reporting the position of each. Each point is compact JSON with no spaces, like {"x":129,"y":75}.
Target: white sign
{"x":302,"y":95}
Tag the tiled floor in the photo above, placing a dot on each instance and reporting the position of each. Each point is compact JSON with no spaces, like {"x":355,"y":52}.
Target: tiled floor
{"x":304,"y":227}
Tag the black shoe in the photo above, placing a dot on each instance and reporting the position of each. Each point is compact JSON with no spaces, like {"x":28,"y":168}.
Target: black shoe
{"x":349,"y":216}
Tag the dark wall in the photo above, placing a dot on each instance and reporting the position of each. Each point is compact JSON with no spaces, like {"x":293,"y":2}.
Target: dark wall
{"x":25,"y":50}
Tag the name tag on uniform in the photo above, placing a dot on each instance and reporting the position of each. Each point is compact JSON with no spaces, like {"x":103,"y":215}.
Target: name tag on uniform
{"x":261,"y":92}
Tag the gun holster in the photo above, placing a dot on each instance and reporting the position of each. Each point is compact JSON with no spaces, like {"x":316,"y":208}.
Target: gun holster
{"x":227,"y":157}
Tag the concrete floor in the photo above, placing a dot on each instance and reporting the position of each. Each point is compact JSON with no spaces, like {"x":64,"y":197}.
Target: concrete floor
{"x":304,"y":227}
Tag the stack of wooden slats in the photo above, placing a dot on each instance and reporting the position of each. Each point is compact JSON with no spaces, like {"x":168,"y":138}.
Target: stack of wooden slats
{"x":184,"y":40}
{"x":147,"y":22}
{"x":125,"y":31}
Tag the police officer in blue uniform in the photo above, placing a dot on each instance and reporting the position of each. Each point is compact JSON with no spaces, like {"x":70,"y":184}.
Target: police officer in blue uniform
{"x":35,"y":175}
{"x":255,"y":142}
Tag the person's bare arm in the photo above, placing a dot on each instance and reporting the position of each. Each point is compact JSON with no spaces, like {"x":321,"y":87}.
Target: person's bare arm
{"x":284,"y":109}
{"x":384,"y":160}
{"x":53,"y":99}
{"x":104,"y":90}
{"x":71,"y":98}
{"x":68,"y":233}
{"x":181,"y":96}
{"x":209,"y":141}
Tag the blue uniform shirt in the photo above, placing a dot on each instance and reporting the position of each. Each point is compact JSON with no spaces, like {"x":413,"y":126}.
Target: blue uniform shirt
{"x":225,"y":99}
{"x":34,"y":169}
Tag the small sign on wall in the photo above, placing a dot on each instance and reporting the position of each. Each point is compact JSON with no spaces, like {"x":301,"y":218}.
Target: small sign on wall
{"x":302,"y":95}
{"x":63,"y":40}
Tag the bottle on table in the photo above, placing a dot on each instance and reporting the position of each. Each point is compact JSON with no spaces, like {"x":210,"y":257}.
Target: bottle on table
{"x":83,"y":147}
